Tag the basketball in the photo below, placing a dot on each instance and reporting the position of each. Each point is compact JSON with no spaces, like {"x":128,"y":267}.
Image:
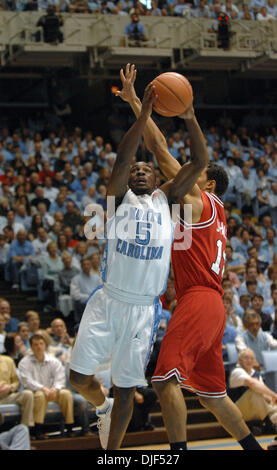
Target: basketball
{"x":174,"y":92}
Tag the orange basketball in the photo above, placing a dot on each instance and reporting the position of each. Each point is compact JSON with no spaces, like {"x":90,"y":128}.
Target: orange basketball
{"x":174,"y":92}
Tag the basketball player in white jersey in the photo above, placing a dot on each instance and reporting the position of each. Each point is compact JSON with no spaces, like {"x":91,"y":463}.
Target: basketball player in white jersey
{"x":122,"y":315}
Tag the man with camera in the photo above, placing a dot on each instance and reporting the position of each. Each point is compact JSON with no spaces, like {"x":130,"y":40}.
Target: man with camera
{"x":50,"y":24}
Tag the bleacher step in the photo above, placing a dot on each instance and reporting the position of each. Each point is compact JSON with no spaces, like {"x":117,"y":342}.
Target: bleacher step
{"x":157,"y":436}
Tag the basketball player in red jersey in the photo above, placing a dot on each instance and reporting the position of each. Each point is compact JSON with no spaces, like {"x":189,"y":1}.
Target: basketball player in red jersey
{"x":191,"y":351}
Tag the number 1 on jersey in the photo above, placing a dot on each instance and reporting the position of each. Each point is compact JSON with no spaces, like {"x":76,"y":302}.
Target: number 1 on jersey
{"x":216,"y":265}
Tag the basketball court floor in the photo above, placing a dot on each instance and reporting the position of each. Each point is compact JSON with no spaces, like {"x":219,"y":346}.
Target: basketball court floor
{"x":211,"y":444}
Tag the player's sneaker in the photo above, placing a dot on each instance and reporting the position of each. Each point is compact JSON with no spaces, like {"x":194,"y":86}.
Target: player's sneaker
{"x":104,"y":423}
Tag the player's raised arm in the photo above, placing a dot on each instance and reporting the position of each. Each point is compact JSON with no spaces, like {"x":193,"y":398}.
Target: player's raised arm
{"x":128,"y":147}
{"x":184,"y":182}
{"x":154,"y":139}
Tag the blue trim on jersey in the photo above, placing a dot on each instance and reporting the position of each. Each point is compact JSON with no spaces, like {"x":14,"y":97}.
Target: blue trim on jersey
{"x":96,"y":289}
{"x":155,"y":326}
{"x":104,"y":264}
{"x":104,"y":260}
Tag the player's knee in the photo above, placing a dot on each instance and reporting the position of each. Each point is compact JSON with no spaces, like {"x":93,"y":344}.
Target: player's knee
{"x":209,"y":403}
{"x":165,"y":387}
{"x":78,"y":380}
{"x":124,"y":396}
{"x":157,"y":387}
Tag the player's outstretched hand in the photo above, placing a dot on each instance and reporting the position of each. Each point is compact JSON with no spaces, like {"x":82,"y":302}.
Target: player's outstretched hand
{"x":128,"y":79}
{"x":189,"y":114}
{"x":149,"y":98}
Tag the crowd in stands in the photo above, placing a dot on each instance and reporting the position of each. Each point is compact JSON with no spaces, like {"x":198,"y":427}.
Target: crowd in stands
{"x":48,"y":176}
{"x":260,"y":10}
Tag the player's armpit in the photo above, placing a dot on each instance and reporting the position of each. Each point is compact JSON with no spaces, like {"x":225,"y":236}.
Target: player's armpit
{"x":193,"y":199}
{"x":185,"y":182}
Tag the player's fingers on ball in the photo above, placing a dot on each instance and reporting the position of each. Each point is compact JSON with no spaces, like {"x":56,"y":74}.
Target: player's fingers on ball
{"x":149,"y":87}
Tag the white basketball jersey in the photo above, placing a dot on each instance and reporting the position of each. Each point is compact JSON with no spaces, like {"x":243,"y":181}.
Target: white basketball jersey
{"x":137,"y":254}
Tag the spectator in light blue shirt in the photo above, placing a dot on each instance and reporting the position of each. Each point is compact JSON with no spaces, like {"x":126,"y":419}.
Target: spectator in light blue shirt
{"x":94,"y":6}
{"x":83,"y":191}
{"x":182,"y":8}
{"x":43,"y":4}
{"x":172,"y":149}
{"x":20,"y":5}
{"x":92,"y":176}
{"x":59,"y":205}
{"x":233,"y":172}
{"x":202,"y":10}
{"x":234,"y":260}
{"x":242,"y":244}
{"x":135,"y":30}
{"x":272,"y":303}
{"x":245,"y":188}
{"x":81,"y":287}
{"x":270,"y":244}
{"x":272,"y":170}
{"x":155,"y":11}
{"x":263,"y":256}
{"x":251,"y":275}
{"x":229,"y":336}
{"x":21,"y":249}
{"x":271,"y":8}
{"x":8,"y":152}
{"x":246,"y":13}
{"x":272,"y":202}
{"x":256,"y":5}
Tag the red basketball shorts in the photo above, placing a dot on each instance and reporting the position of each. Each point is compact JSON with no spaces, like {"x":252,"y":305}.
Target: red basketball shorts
{"x":192,"y":346}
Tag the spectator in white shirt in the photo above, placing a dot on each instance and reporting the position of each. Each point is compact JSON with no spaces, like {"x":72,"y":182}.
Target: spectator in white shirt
{"x":253,"y":398}
{"x":49,"y":191}
{"x":4,"y":251}
{"x":45,"y":376}
{"x":47,"y":219}
{"x":230,"y":9}
{"x":263,"y":15}
{"x":41,"y":242}
{"x":109,"y":151}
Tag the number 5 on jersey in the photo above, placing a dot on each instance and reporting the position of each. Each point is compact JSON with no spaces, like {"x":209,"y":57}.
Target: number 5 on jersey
{"x":220,"y":254}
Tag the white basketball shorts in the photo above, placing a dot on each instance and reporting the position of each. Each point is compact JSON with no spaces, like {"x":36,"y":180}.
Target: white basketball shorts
{"x":116,"y":332}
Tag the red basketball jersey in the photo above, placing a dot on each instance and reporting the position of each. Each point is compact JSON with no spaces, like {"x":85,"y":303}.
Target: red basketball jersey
{"x":198,"y":251}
